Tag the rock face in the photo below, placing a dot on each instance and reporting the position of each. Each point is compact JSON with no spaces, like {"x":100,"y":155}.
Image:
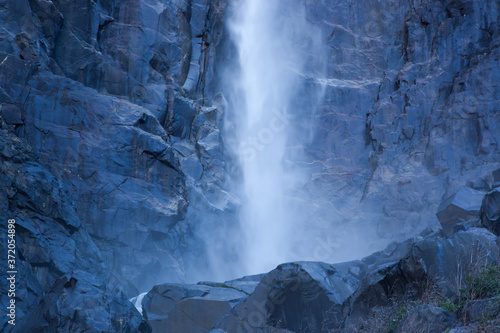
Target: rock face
{"x":60,"y":279}
{"x":114,"y":166}
{"x":408,"y":113}
{"x":111,"y":101}
{"x":110,"y":129}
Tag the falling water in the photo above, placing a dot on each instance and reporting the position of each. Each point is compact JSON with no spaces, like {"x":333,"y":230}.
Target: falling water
{"x":268,"y":36}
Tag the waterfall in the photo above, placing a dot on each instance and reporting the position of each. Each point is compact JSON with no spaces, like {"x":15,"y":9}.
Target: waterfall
{"x":269,"y":37}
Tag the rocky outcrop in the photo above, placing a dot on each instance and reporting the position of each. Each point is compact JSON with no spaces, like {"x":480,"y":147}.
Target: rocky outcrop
{"x":296,"y":297}
{"x":426,"y":318}
{"x":60,"y":281}
{"x":90,"y":92}
{"x":407,"y":115}
{"x":442,"y":263}
{"x":462,"y":206}
{"x":319,"y":297}
{"x":112,"y":102}
{"x":191,"y":308}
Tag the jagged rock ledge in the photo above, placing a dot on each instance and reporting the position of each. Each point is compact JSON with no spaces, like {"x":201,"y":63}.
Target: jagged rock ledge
{"x":415,"y":284}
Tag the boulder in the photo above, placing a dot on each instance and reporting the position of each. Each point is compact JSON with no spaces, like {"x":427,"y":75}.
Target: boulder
{"x":426,"y":318}
{"x":462,"y":206}
{"x":189,"y":308}
{"x":300,"y":296}
{"x":481,"y":309}
{"x":496,"y":178}
{"x":317,"y":297}
{"x":490,"y":211}
{"x":434,"y":261}
{"x":446,"y":261}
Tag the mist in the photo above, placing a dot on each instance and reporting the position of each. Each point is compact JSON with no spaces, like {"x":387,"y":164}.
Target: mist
{"x":268,"y":128}
{"x":303,"y":166}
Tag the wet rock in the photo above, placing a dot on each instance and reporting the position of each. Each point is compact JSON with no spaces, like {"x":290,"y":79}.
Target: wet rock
{"x":122,"y":171}
{"x":296,"y":296}
{"x":189,"y":308}
{"x":96,"y":95}
{"x":315,"y":296}
{"x":126,"y":153}
{"x":462,"y":206}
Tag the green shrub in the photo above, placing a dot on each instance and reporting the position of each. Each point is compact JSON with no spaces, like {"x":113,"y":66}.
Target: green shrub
{"x":448,"y":305}
{"x":484,"y":285}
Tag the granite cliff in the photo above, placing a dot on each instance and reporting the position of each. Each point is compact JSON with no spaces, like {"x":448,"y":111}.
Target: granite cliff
{"x":113,"y":121}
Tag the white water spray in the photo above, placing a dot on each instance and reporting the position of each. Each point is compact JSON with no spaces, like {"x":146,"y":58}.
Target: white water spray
{"x":267,"y":35}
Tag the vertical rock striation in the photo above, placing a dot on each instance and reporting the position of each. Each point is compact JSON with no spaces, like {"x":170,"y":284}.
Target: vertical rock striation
{"x":409,"y":114}
{"x":113,"y":103}
{"x":112,"y":155}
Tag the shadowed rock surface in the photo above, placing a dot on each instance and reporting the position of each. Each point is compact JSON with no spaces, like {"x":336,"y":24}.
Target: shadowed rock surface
{"x":490,"y":212}
{"x":462,"y":206}
{"x":98,"y":96}
{"x":114,"y":166}
{"x":93,"y":91}
{"x":192,"y":308}
{"x":60,"y":280}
